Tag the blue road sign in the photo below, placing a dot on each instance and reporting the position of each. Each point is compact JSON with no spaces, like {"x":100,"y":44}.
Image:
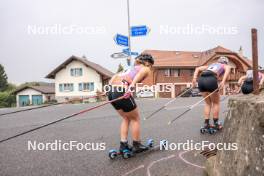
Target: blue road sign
{"x":137,"y":31}
{"x":126,"y":51}
{"x":121,"y":40}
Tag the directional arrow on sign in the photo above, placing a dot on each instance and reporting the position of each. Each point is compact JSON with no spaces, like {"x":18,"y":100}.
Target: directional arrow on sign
{"x":137,"y":31}
{"x":126,"y":51}
{"x":121,"y":40}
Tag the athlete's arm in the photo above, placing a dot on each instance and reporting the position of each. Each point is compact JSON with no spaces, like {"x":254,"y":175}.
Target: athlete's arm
{"x":143,"y":73}
{"x":227,"y":72}
{"x":112,"y":79}
{"x":196,"y":73}
{"x":241,"y":80}
{"x":261,"y":81}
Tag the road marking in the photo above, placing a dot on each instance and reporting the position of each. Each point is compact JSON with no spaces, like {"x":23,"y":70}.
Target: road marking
{"x":156,"y":161}
{"x":133,"y":170}
{"x":187,"y":162}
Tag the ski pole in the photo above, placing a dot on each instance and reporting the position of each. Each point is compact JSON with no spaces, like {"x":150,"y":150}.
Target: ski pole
{"x":171,"y":121}
{"x":43,"y":106}
{"x":62,"y":119}
{"x":165,"y":105}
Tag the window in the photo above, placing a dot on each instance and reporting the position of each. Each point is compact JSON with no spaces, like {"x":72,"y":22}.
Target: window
{"x":191,"y":72}
{"x":66,"y":87}
{"x":172,"y":72}
{"x":76,"y":72}
{"x":89,"y":86}
{"x":175,"y":72}
{"x":167,"y":72}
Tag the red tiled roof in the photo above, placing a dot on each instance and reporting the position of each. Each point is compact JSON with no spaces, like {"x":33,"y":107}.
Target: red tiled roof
{"x":103,"y":71}
{"x":186,"y":58}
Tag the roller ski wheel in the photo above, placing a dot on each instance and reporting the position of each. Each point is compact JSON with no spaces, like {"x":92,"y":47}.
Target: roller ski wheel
{"x":150,"y":143}
{"x":127,"y":154}
{"x":207,"y":129}
{"x":163,"y":144}
{"x":112,"y":154}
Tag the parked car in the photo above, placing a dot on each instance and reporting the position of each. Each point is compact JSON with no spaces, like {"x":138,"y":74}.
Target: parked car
{"x":196,"y":92}
{"x":192,"y":93}
{"x":145,"y":93}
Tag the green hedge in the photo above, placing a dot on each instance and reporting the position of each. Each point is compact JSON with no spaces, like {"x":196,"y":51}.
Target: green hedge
{"x":7,"y":99}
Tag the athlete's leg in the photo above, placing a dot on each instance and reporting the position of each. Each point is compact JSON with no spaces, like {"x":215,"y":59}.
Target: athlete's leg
{"x":215,"y":98}
{"x":135,"y":131}
{"x":133,"y":117}
{"x":208,"y":105}
{"x":124,"y":126}
{"x":216,"y":107}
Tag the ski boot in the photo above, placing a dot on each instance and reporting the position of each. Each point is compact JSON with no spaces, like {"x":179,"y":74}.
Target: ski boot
{"x":206,"y":129}
{"x":138,"y":147}
{"x":217,"y":126}
{"x":125,"y":150}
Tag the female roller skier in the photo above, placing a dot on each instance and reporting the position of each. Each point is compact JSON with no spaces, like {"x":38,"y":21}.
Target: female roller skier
{"x":246,"y":82}
{"x":123,"y":84}
{"x":208,"y":83}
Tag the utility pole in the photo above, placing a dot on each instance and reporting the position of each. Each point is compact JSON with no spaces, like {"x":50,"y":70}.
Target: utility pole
{"x":129,"y":33}
{"x":254,"y":34}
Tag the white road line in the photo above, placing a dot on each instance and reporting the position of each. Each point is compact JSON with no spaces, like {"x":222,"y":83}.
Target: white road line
{"x":133,"y":170}
{"x":187,"y":162}
{"x":156,"y":161}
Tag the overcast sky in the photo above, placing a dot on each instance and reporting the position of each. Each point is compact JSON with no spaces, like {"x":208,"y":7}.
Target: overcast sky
{"x":29,"y":54}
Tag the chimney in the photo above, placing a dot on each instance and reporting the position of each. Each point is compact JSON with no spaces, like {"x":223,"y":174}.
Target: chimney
{"x":240,"y":51}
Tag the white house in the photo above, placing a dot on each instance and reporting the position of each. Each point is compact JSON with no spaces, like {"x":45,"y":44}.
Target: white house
{"x":34,"y":95}
{"x":78,"y":78}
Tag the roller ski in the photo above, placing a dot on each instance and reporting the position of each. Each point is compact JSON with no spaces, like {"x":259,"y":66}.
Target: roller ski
{"x":127,"y":151}
{"x":207,"y":128}
{"x":217,"y":126}
{"x":211,"y":129}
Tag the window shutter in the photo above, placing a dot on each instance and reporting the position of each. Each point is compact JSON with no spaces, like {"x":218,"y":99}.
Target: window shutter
{"x":80,"y":86}
{"x":60,"y":87}
{"x":92,"y":86}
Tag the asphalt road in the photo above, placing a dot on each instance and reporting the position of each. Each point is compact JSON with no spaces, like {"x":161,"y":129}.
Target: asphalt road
{"x":102,"y":126}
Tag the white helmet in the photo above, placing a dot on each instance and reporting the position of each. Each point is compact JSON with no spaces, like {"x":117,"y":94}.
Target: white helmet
{"x":223,"y":60}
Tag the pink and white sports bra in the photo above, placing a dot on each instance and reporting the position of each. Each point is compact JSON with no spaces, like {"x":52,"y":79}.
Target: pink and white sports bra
{"x":127,"y":76}
{"x":249,"y":75}
{"x":217,"y":68}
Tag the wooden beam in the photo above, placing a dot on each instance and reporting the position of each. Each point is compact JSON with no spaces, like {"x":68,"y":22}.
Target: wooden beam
{"x":254,"y":34}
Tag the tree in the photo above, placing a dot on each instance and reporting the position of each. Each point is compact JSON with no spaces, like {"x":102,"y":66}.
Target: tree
{"x":3,"y":79}
{"x":120,"y":68}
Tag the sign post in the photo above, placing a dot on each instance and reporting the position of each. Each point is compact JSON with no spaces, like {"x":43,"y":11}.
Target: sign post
{"x":129,"y":43}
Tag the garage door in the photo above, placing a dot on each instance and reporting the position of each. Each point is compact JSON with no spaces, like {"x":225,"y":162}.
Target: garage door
{"x":37,"y":99}
{"x":23,"y":100}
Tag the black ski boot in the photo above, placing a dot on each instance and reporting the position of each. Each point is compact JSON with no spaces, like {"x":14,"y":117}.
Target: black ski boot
{"x":217,"y":125}
{"x":124,"y":146}
{"x":138,"y":147}
{"x":206,"y":128}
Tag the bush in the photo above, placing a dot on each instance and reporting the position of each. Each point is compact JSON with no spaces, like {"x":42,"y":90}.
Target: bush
{"x":7,"y":99}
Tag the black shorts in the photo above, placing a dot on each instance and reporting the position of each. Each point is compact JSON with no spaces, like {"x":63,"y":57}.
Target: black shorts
{"x":247,"y":87}
{"x":207,"y":82}
{"x":126,"y":105}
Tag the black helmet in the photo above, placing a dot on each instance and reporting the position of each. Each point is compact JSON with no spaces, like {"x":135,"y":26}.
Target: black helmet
{"x":146,"y":58}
